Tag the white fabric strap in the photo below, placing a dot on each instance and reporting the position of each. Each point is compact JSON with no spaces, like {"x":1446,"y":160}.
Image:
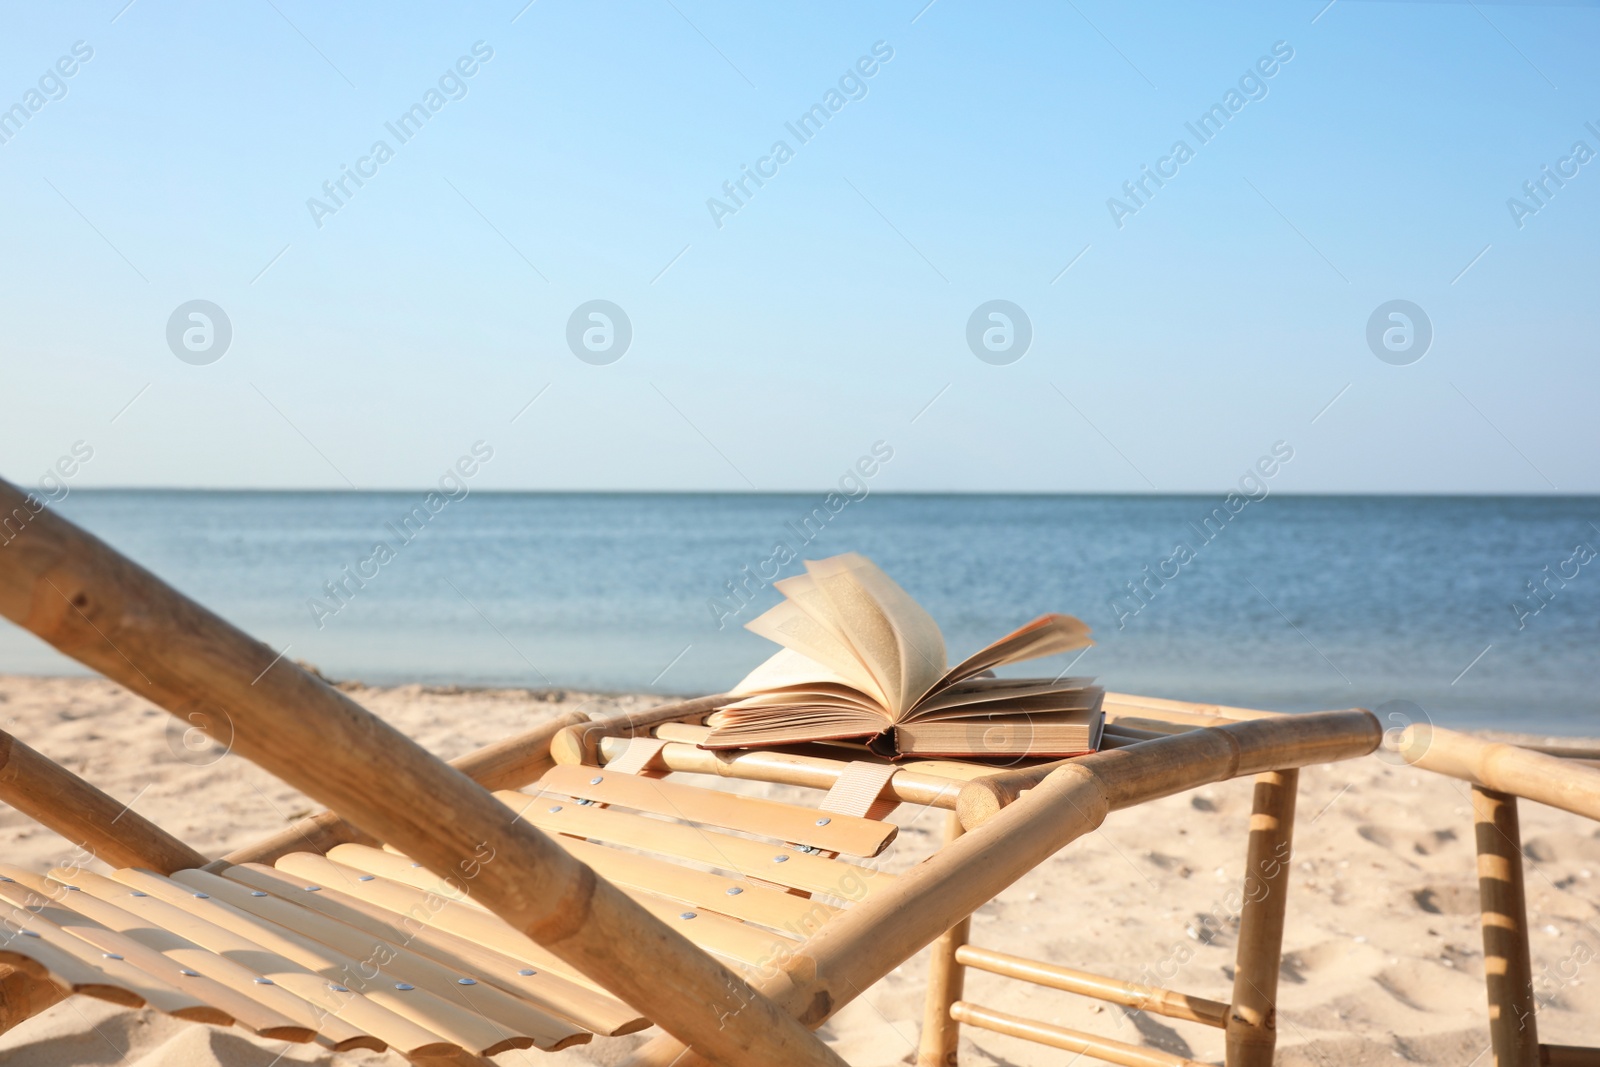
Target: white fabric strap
{"x":858,"y":790}
{"x":640,"y":753}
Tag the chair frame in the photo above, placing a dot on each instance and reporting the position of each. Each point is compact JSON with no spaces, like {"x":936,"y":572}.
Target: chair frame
{"x":86,"y":600}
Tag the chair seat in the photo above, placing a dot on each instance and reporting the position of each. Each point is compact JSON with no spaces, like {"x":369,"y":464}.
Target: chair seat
{"x":363,"y":948}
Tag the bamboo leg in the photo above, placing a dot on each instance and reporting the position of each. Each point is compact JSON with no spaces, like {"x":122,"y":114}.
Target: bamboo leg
{"x":1252,"y":1031}
{"x":1508,"y":970}
{"x":22,"y":997}
{"x":940,"y":1032}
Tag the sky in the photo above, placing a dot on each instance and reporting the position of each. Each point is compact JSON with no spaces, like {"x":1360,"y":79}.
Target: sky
{"x":1369,"y":153}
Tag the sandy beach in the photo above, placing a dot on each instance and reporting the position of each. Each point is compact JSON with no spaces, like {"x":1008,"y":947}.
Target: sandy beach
{"x":1383,"y":957}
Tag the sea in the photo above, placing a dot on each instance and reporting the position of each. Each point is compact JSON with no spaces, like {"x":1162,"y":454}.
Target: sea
{"x":1465,"y":611}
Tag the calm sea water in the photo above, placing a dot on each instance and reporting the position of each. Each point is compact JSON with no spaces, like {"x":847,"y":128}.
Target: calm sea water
{"x":1293,"y":603}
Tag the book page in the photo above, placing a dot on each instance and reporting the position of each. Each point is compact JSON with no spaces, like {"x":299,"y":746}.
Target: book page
{"x":785,"y":667}
{"x":1044,"y":636}
{"x":895,"y":639}
{"x":789,"y":624}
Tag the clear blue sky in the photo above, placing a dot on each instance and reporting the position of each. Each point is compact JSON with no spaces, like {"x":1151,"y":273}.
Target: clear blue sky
{"x":831,"y":308}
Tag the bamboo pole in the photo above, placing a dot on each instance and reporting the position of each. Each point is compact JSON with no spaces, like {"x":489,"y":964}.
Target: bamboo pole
{"x":80,"y":596}
{"x":1101,"y":1048}
{"x":1507,"y":966}
{"x":101,"y":825}
{"x":507,"y":764}
{"x":941,"y":1034}
{"x":1319,"y":737}
{"x":581,"y":743}
{"x":1561,"y":783}
{"x":856,"y":949}
{"x":1252,"y":1030}
{"x":1166,"y":1002}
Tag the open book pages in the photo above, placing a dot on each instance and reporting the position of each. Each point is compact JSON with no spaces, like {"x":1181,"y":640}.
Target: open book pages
{"x":862,"y":659}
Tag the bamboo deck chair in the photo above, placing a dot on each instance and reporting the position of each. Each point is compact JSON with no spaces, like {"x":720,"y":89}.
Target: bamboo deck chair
{"x":446,"y":912}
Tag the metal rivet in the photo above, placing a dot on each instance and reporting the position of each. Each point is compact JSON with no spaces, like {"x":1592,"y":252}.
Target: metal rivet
{"x":527,"y":972}
{"x":596,"y":780}
{"x":263,"y":981}
{"x":416,"y":865}
{"x":202,"y":896}
{"x":74,"y":889}
{"x":313,"y":889}
{"x":136,"y":893}
{"x":366,"y":878}
{"x":824,"y":821}
{"x":780,"y":859}
{"x":188,"y":972}
{"x":338,"y":988}
{"x":257,"y":893}
{"x":554,"y":808}
{"x":404,"y":987}
{"x":734,"y":890}
{"x":585,"y":803}
{"x":111,"y":955}
{"x":687,"y":915}
{"x":29,"y":933}
{"x":466,"y":981}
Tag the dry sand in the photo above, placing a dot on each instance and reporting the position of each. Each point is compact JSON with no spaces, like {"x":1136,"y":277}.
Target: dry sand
{"x":1383,"y":959}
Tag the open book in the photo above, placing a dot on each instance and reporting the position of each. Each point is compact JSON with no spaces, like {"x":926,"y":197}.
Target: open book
{"x":862,"y":660}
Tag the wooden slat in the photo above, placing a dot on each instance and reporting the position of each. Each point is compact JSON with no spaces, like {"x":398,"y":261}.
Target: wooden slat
{"x":272,"y":1012}
{"x":797,"y":870}
{"x":713,"y":932}
{"x":414,"y":909}
{"x":310,"y":990}
{"x":45,"y":963}
{"x":408,"y":1023}
{"x":40,"y":930}
{"x":752,"y":902}
{"x":752,"y":815}
{"x":306,"y":986}
{"x":546,"y":988}
{"x":519,"y":1023}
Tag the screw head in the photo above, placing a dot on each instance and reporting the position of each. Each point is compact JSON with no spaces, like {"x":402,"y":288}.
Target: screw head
{"x":466,"y":981}
{"x":824,"y":821}
{"x":527,"y":972}
{"x":687,"y":915}
{"x":404,"y":987}
{"x":780,"y":859}
{"x":734,"y":890}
